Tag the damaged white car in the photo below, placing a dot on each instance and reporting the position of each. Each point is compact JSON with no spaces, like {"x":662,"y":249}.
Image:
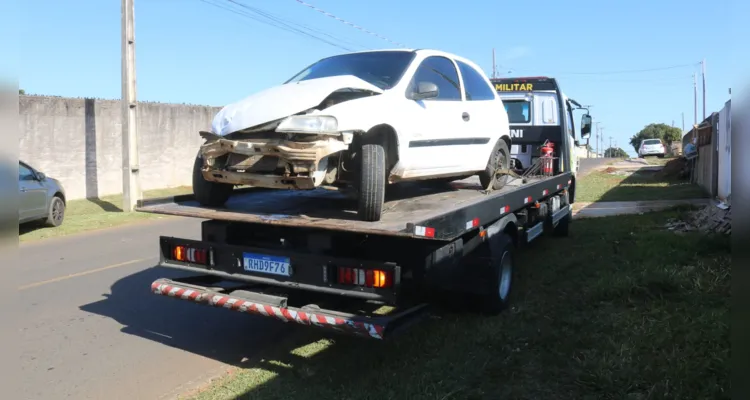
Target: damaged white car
{"x":362,"y":121}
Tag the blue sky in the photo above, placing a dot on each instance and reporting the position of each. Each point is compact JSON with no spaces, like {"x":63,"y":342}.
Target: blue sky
{"x":188,"y":51}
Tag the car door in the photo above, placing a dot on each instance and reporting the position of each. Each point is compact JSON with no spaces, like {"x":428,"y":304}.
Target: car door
{"x":436,"y":125}
{"x":485,"y":119}
{"x":32,"y":195}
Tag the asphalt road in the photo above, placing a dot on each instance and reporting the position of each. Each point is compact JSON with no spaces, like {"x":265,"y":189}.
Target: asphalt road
{"x":91,"y":329}
{"x":586,"y":165}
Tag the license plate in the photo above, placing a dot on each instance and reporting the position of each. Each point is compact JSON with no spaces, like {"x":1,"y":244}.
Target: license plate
{"x":266,"y":264}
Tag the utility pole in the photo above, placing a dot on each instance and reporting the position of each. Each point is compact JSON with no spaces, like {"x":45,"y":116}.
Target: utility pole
{"x":131,"y":189}
{"x":610,"y":146}
{"x":493,"y":64}
{"x":683,"y":122}
{"x":695,"y":101}
{"x":703,"y":65}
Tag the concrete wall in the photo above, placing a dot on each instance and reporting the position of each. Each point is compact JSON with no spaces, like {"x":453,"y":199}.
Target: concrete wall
{"x":78,"y":141}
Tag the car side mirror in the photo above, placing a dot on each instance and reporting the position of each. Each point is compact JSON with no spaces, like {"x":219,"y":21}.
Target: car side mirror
{"x":40,"y":176}
{"x":424,"y":90}
{"x":585,"y":126}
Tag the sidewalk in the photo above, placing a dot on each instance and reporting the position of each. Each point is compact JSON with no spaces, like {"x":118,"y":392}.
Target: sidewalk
{"x":611,"y":208}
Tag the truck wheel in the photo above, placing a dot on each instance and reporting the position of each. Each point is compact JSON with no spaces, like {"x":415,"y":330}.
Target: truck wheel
{"x":371,"y":182}
{"x":210,"y":194}
{"x":499,"y":160}
{"x":502,"y":261}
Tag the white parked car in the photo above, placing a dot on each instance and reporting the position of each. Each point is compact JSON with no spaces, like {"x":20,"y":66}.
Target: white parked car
{"x":360,"y":120}
{"x":652,"y":147}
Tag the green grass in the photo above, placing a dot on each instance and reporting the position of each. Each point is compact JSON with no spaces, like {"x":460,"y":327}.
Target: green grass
{"x":631,"y":312}
{"x":86,"y":215}
{"x":603,"y":186}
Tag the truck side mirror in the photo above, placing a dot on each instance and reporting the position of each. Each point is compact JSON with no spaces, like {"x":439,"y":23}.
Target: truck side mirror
{"x":585,"y":126}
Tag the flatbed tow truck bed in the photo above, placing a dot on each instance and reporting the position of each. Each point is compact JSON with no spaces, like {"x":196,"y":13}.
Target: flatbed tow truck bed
{"x":305,"y":257}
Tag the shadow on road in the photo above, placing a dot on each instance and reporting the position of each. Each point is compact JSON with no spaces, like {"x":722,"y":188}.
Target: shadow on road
{"x":226,"y":336}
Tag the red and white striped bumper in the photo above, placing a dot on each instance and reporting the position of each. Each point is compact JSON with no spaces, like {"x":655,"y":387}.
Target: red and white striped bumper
{"x":353,"y":325}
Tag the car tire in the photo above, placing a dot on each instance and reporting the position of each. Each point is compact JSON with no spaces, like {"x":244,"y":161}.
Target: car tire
{"x":56,"y":212}
{"x":499,"y":159}
{"x":209,"y":194}
{"x":371,"y":182}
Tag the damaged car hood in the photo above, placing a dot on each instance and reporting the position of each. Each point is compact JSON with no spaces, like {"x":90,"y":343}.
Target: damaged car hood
{"x":281,"y":101}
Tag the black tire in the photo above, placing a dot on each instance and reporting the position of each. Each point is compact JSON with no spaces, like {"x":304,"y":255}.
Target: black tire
{"x":500,"y":274}
{"x":371,"y":182}
{"x":563,"y":227}
{"x":56,"y":212}
{"x":210,"y":194}
{"x":499,"y":159}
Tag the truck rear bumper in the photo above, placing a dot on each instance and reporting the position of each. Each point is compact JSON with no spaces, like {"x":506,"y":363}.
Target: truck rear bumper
{"x":375,"y":328}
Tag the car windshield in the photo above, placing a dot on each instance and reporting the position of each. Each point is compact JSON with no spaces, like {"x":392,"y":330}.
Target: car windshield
{"x":651,"y":141}
{"x":518,"y":111}
{"x":380,"y":68}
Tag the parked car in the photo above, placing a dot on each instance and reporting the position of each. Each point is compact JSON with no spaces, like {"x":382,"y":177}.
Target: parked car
{"x":41,"y":198}
{"x":360,"y":120}
{"x":652,"y":147}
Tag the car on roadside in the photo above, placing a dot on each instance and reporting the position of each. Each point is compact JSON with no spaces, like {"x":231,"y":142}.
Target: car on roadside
{"x":652,"y":147}
{"x":41,"y":198}
{"x":360,"y":121}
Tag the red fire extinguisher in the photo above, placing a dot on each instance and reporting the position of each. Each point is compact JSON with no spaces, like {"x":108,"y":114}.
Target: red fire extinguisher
{"x":547,"y":154}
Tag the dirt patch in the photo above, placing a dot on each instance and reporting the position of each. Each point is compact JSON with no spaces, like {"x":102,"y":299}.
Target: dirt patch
{"x":709,"y":219}
{"x":674,"y":169}
{"x":610,"y":170}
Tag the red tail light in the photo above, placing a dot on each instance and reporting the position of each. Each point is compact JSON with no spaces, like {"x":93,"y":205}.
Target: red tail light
{"x":190,"y":254}
{"x":373,"y":278}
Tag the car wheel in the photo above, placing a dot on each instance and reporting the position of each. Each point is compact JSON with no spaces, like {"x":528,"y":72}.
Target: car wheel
{"x":56,"y":213}
{"x":499,"y":160}
{"x":371,"y":182}
{"x":210,"y":194}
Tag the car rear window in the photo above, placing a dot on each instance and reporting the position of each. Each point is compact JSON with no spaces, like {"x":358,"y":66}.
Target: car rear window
{"x":652,"y":141}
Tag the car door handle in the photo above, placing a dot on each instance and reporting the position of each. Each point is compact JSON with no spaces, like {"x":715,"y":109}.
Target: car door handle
{"x":465,"y":116}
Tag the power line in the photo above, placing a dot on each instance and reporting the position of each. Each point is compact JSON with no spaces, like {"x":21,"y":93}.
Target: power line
{"x":631,"y":71}
{"x":270,"y":19}
{"x":349,"y":23}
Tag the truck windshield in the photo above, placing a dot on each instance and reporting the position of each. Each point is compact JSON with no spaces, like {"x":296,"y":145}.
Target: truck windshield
{"x":380,"y":68}
{"x":518,"y":111}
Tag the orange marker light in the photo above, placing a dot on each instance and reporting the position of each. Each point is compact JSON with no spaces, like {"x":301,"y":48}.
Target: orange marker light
{"x":380,"y":279}
{"x":179,"y":253}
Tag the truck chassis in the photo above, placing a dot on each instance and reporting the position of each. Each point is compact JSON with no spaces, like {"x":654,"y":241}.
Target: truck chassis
{"x":338,"y":272}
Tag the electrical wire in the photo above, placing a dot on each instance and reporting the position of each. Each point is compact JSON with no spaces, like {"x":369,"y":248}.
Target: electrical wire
{"x":276,"y":22}
{"x":631,"y":71}
{"x":349,"y":23}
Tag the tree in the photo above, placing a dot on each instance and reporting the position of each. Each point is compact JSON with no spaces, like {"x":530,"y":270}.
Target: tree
{"x":666,"y":133}
{"x":615,"y":152}
{"x":21,"y":91}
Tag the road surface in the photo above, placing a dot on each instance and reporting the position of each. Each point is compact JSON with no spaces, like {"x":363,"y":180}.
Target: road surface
{"x":90,"y":328}
{"x":586,"y":165}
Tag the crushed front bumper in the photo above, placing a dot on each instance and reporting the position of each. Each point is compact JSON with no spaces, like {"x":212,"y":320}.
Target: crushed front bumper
{"x":272,"y":162}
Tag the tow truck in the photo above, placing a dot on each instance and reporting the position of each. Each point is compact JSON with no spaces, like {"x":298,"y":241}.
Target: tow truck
{"x":305,"y":257}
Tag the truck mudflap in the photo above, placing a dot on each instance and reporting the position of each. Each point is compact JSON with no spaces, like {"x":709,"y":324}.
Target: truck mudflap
{"x":370,"y":327}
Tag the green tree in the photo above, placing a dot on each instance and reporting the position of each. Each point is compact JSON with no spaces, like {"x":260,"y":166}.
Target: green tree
{"x":21,"y":91}
{"x":666,"y":133}
{"x":615,"y":152}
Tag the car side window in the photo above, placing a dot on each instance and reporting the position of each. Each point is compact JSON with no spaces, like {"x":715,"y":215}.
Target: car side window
{"x":475,"y":87}
{"x":441,"y":72}
{"x":25,"y":173}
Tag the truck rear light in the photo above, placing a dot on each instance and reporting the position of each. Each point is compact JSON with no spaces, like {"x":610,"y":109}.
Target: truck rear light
{"x":373,"y":278}
{"x":190,"y":254}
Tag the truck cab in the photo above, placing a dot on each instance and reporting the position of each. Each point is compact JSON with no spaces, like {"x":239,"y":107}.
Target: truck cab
{"x":539,"y":111}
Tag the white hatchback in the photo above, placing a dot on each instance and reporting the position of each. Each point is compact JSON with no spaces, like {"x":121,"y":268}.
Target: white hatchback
{"x":360,"y":120}
{"x":652,"y":147}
